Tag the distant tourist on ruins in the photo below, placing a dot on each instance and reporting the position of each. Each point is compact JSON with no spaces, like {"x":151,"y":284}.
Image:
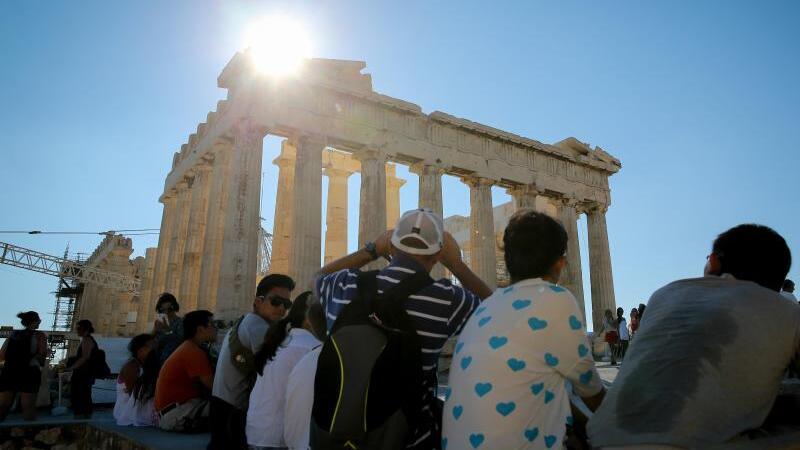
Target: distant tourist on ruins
{"x":300,"y":388}
{"x":185,"y":380}
{"x":642,"y":307}
{"x":24,"y":354}
{"x":236,"y":370}
{"x":624,"y":334}
{"x":521,"y":350}
{"x":168,"y":326}
{"x":285,"y":344}
{"x":634,"y":325}
{"x":436,"y":311}
{"x":83,"y":371}
{"x":610,"y":334}
{"x":136,"y":384}
{"x":787,"y":290}
{"x":710,"y":357}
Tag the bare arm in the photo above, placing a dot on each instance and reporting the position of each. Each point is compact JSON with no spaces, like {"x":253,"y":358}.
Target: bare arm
{"x":86,"y":353}
{"x":357,"y":259}
{"x":129,"y":374}
{"x":41,"y":347}
{"x":450,"y":257}
{"x":594,"y":401}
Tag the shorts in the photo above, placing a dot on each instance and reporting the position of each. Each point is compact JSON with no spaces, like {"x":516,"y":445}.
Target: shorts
{"x":25,"y":380}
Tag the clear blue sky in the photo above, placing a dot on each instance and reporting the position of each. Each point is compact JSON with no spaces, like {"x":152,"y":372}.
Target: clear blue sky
{"x":699,"y":100}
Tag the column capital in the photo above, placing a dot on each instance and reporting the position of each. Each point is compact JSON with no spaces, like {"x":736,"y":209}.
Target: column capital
{"x":369,"y":154}
{"x":477,"y":181}
{"x":336,"y":172}
{"x":426,"y":168}
{"x":394,"y":182}
{"x":524,"y":189}
{"x":595,"y":207}
{"x":306,"y":139}
{"x":246,"y":130}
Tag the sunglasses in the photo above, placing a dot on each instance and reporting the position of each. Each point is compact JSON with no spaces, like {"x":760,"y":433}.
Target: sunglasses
{"x":276,"y":300}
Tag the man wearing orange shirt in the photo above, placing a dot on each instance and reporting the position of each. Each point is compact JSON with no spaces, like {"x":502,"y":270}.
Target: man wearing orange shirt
{"x":186,"y":377}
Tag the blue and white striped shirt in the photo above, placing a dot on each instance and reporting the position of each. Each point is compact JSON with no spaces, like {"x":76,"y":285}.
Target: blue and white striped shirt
{"x":438,"y":311}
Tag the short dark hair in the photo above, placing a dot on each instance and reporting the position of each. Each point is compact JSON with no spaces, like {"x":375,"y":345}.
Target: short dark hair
{"x":167,"y":297}
{"x":137,"y":342}
{"x":86,"y":324}
{"x":194,"y":320}
{"x":272,"y":281}
{"x":788,"y":284}
{"x":755,"y":253}
{"x":533,"y":242}
{"x":28,"y":317}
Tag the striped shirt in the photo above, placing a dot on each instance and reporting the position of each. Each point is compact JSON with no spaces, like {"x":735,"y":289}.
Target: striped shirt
{"x":438,"y":311}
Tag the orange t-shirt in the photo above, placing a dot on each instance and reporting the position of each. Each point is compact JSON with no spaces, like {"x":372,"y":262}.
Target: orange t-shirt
{"x":177,"y":380}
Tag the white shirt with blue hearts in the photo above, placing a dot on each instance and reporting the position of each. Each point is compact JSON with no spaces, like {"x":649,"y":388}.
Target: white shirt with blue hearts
{"x":510,"y":369}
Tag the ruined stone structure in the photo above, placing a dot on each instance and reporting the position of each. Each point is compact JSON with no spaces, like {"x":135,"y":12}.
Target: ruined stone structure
{"x":334,"y":124}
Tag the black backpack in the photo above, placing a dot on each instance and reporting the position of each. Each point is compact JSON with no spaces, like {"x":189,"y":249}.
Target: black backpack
{"x":18,"y":352}
{"x":368,"y":389}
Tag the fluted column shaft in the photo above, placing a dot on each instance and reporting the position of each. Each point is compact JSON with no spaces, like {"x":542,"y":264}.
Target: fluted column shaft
{"x":304,"y":259}
{"x":372,"y":204}
{"x":393,"y":185}
{"x":336,"y":215}
{"x":193,"y":250}
{"x":572,"y":275}
{"x":483,"y":257}
{"x":164,"y":239}
{"x":178,"y":237}
{"x":239,"y":264}
{"x":146,"y":312}
{"x":600,"y":266}
{"x":284,"y":202}
{"x":430,"y":196}
{"x":215,"y":223}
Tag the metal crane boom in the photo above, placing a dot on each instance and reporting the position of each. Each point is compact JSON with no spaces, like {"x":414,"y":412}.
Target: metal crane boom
{"x":63,"y":268}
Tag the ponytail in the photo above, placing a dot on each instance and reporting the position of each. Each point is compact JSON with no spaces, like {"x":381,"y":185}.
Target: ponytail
{"x":279,"y":330}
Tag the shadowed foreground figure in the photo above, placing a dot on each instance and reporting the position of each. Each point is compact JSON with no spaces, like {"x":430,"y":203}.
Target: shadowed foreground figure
{"x":708,"y":359}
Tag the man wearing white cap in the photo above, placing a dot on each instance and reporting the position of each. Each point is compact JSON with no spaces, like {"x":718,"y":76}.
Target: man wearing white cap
{"x":438,"y":311}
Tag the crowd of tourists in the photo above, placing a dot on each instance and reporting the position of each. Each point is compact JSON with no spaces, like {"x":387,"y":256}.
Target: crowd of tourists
{"x":353,"y":364}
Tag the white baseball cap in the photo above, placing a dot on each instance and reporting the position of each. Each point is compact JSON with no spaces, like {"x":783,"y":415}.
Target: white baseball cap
{"x":419,"y":232}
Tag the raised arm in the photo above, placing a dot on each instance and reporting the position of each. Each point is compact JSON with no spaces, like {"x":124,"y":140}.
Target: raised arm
{"x":450,"y":257}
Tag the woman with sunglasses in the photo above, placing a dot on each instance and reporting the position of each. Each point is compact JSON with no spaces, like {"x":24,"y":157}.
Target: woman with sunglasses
{"x":168,"y":327}
{"x":285,"y":344}
{"x":24,"y":354}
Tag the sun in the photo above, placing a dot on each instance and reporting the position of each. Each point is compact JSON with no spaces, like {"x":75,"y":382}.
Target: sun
{"x":277,"y":45}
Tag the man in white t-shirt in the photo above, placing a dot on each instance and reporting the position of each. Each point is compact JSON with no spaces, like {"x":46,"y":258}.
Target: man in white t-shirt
{"x":232,"y":385}
{"x":520,"y":351}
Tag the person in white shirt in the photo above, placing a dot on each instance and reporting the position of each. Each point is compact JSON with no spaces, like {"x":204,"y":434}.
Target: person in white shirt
{"x":787,"y":290}
{"x":624,"y":334}
{"x":300,"y":390}
{"x":285,"y":344}
{"x":521,"y":350}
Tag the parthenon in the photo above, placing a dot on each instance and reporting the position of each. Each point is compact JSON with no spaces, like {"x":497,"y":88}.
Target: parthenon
{"x":334,"y":124}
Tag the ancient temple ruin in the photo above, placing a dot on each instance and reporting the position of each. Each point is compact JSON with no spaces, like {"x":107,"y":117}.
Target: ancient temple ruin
{"x":334,"y":125}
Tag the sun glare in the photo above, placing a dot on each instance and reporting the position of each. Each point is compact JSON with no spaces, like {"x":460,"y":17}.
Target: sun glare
{"x":277,"y":45}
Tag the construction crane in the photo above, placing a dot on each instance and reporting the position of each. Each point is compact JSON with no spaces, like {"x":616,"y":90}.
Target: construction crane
{"x":66,"y":269}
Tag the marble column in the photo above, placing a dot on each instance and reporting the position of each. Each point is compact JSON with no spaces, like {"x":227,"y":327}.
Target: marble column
{"x":430,"y":196}
{"x":193,"y":250}
{"x":282,"y":219}
{"x":483,"y":257}
{"x":146,"y":311}
{"x":524,"y":196}
{"x":572,"y":277}
{"x":178,"y":237}
{"x":304,"y":259}
{"x":239,"y":251}
{"x":164,"y":239}
{"x":372,"y":204}
{"x":336,"y":214}
{"x":215,"y":223}
{"x":600,"y":265}
{"x":393,"y":185}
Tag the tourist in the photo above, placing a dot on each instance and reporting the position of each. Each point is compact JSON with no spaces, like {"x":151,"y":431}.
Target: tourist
{"x":24,"y":354}
{"x":642,"y":307}
{"x":610,"y":335}
{"x":710,"y":357}
{"x":300,"y":388}
{"x":521,"y":350}
{"x":787,"y":290}
{"x":168,"y":326}
{"x":284,"y":346}
{"x":437,"y":311}
{"x":136,"y":383}
{"x":236,"y":370}
{"x":624,"y":334}
{"x":185,"y":380}
{"x":634,"y":325}
{"x":82,"y":369}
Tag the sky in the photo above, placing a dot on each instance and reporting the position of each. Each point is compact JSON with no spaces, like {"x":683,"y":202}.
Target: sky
{"x":699,"y":100}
